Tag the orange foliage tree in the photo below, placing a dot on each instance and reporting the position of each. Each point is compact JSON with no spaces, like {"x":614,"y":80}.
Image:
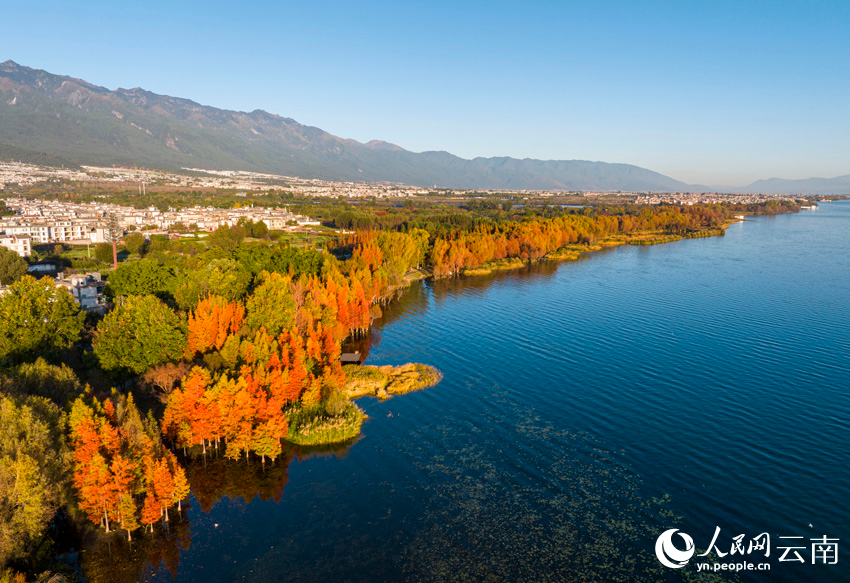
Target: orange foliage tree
{"x":212,"y":322}
{"x":120,"y":465}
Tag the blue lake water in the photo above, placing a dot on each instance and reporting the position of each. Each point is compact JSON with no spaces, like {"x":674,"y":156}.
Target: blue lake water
{"x":586,"y":407}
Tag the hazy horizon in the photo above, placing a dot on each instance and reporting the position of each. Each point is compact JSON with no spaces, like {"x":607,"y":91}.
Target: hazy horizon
{"x":719,"y":94}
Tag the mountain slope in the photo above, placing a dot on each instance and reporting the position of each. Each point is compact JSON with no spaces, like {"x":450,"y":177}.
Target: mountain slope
{"x":87,"y":124}
{"x":837,"y":185}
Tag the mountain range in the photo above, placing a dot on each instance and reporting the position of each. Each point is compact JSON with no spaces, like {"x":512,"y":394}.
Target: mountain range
{"x":63,"y":118}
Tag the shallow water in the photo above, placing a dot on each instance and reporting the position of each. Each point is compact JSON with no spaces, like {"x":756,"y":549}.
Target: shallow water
{"x":585,"y":408}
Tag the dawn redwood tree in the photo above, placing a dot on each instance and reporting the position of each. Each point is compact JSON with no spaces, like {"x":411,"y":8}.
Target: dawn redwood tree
{"x":129,"y":514}
{"x":37,"y":318}
{"x":139,"y":334}
{"x":181,"y":483}
{"x":187,"y":412}
{"x":151,"y":511}
{"x":163,"y":485}
{"x":212,"y":322}
{"x":120,"y":465}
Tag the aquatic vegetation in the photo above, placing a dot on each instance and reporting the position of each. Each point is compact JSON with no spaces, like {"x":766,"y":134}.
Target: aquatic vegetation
{"x":497,"y":265}
{"x":707,"y":233}
{"x":586,"y":518}
{"x":655,"y":239}
{"x":318,"y":427}
{"x":384,"y":381}
{"x":364,"y":380}
{"x":412,"y":377}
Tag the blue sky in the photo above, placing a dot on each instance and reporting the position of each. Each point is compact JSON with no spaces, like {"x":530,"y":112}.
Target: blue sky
{"x":705,"y":92}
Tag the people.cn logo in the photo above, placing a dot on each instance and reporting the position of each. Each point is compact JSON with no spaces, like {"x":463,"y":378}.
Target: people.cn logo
{"x":667,"y":552}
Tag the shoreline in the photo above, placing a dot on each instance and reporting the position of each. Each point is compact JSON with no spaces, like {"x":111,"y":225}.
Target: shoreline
{"x":384,"y":382}
{"x":575,"y":251}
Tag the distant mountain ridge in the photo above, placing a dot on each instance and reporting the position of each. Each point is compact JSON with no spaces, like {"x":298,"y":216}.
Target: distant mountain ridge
{"x":76,"y":120}
{"x":83,"y":123}
{"x":837,"y":185}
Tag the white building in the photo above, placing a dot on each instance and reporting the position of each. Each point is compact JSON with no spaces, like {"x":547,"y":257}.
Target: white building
{"x":48,"y":232}
{"x":99,"y":235}
{"x":87,"y":289}
{"x":20,"y":244}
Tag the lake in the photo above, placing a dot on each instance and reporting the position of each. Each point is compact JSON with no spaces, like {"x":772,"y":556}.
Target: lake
{"x":586,"y":407}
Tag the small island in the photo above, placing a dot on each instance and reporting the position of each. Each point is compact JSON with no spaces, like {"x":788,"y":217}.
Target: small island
{"x":385,"y":382}
{"x":341,"y":419}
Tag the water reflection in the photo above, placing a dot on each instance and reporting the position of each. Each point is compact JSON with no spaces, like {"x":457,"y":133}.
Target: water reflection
{"x":415,"y":300}
{"x":111,"y":558}
{"x":215,"y":479}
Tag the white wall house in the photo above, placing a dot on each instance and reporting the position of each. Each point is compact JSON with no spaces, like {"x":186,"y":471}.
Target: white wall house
{"x":20,"y":244}
{"x":86,"y":288}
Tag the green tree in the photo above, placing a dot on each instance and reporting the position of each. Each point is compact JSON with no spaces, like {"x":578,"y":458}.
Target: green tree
{"x":34,"y":478}
{"x":401,"y":252}
{"x":12,"y":266}
{"x":228,"y":238}
{"x":140,"y":333}
{"x":37,"y":318}
{"x":297,"y":261}
{"x":103,"y":252}
{"x":272,"y":304}
{"x":254,"y":258}
{"x":135,"y":243}
{"x":219,"y":277}
{"x":260,"y":230}
{"x":39,"y":378}
{"x":143,"y":277}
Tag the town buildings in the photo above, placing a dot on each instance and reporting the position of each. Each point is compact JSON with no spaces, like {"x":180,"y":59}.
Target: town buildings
{"x":20,"y":244}
{"x":45,"y":221}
